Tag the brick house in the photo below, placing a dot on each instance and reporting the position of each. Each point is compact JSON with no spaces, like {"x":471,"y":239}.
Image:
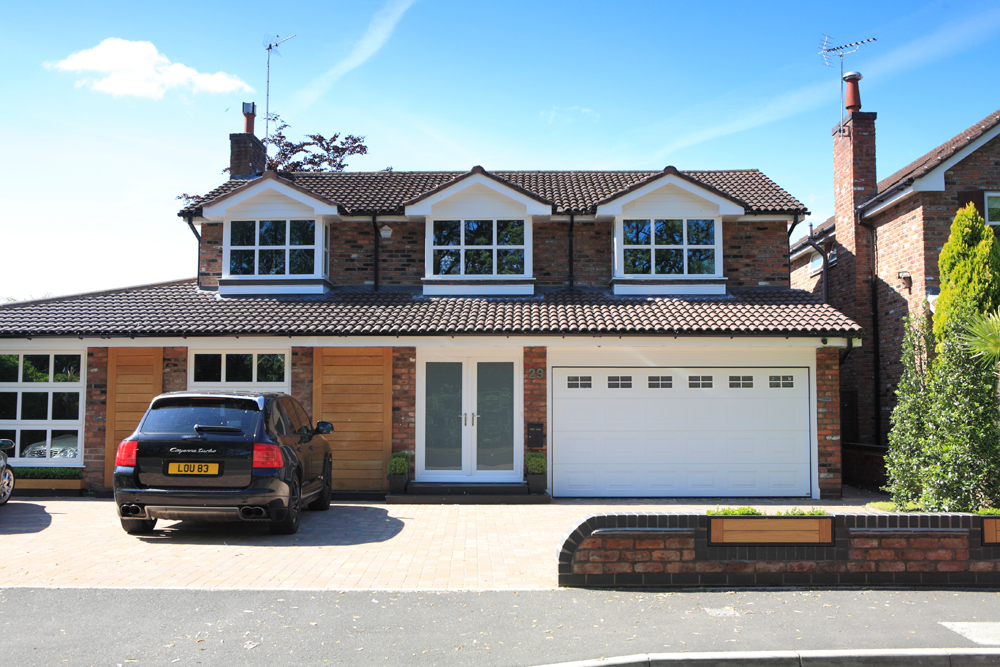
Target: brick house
{"x":883,"y":244}
{"x":636,"y":326}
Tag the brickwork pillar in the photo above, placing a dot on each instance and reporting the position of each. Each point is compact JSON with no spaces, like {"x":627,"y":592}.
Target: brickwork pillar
{"x":95,"y":418}
{"x":210,"y":256}
{"x":302,"y":378}
{"x":535,"y":392}
{"x":828,"y":421}
{"x":175,"y":361}
{"x":404,"y":399}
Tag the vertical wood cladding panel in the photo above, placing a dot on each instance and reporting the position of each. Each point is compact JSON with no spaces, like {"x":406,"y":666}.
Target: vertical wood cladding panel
{"x":135,"y":377}
{"x":352,"y":389}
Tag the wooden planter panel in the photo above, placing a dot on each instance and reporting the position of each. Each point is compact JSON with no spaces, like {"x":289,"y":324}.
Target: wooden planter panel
{"x":990,"y":532}
{"x":46,"y":483}
{"x":771,"y":530}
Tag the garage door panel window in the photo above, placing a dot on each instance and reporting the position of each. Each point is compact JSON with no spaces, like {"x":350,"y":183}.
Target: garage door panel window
{"x":41,"y":406}
{"x":661,"y":382}
{"x":619,"y":382}
{"x":781,"y":382}
{"x":579,"y":382}
{"x":699,"y":382}
{"x":741,"y":382}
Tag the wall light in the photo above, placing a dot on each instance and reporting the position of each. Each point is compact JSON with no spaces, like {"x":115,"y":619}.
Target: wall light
{"x":385,"y":231}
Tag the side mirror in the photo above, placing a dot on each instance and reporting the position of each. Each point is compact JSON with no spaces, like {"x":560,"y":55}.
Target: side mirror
{"x":323,"y":428}
{"x":7,"y":446}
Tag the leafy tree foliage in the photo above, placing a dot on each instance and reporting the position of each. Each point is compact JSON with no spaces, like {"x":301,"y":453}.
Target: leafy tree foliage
{"x":970,"y":269}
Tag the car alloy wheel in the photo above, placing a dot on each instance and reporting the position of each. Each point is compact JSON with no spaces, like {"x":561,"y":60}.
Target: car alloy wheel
{"x":6,"y":484}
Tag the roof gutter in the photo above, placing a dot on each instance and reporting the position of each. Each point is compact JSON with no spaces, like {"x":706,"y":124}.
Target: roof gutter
{"x":826,"y":264}
{"x":572,"y":282}
{"x":795,"y":223}
{"x":376,"y":234}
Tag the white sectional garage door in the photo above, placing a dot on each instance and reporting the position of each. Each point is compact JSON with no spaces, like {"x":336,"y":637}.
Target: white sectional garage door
{"x":681,"y":432}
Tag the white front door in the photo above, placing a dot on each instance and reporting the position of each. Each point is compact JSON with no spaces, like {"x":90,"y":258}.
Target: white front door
{"x":469,"y":408}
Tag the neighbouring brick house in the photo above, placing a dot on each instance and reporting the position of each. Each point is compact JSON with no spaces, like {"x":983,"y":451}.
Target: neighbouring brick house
{"x":637,"y":326}
{"x":884,"y":241}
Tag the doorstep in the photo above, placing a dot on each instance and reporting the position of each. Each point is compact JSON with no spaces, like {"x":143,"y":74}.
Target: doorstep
{"x":475,"y":499}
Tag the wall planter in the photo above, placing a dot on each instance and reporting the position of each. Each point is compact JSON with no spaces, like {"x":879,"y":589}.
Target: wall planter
{"x":771,"y":530}
{"x":24,"y":484}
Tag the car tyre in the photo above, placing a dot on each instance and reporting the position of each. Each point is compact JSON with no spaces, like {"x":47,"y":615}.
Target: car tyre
{"x":7,"y":484}
{"x":322,"y":501}
{"x":138,"y":526}
{"x":290,"y":524}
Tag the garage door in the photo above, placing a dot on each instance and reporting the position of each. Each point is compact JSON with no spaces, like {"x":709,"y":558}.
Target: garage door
{"x":681,"y":432}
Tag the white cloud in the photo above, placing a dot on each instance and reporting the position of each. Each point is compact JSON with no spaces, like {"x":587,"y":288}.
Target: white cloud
{"x":567,"y":114}
{"x":379,"y":30}
{"x":122,"y":67}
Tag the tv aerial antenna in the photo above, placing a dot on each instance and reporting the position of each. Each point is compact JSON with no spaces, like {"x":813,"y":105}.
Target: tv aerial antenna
{"x":271,"y":43}
{"x":825,"y":51}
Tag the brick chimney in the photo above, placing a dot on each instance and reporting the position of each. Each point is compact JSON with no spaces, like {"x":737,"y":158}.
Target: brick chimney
{"x":247,"y":158}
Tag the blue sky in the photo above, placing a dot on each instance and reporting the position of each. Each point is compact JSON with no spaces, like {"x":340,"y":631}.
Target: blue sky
{"x":111,"y":110}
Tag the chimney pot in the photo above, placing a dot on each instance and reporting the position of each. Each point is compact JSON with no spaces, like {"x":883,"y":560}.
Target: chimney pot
{"x":249,"y":113}
{"x":852,"y":95}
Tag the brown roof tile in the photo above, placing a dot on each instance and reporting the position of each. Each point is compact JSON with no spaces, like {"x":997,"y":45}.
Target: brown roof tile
{"x":180,"y":309}
{"x":568,"y":191}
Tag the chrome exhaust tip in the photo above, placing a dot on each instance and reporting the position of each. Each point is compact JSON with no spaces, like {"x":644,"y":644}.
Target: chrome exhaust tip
{"x":246,"y":512}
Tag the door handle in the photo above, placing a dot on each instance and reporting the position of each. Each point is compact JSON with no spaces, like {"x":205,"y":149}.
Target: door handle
{"x":465,"y":419}
{"x":473,"y":418}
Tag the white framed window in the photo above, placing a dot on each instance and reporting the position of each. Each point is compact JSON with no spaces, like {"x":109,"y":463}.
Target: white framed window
{"x":741,"y":382}
{"x":42,"y":405}
{"x":993,"y":208}
{"x":481,"y":248}
{"x":660,"y":382}
{"x":619,"y":382}
{"x":579,"y":382}
{"x":668,"y":247}
{"x":780,"y":382}
{"x":257,"y":369}
{"x":816,"y":260}
{"x":281,"y":248}
{"x":699,"y":382}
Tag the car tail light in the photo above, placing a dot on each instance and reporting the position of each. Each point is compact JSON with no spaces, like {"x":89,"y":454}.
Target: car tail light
{"x":126,"y":453}
{"x":266,"y":455}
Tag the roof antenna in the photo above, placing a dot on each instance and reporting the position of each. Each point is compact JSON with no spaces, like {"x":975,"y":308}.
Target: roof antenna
{"x":825,"y":50}
{"x":271,"y":43}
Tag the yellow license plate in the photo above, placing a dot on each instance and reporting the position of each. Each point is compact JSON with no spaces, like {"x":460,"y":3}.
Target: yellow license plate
{"x":193,"y":469}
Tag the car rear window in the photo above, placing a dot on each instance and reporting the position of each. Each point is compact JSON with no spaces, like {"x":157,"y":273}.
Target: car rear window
{"x":181,"y":415}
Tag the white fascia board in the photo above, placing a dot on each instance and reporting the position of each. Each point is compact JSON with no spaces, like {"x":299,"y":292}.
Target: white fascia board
{"x":497,"y":340}
{"x":423,"y":207}
{"x":891,"y":201}
{"x":764,"y":218}
{"x":217,"y":212}
{"x":614,"y":207}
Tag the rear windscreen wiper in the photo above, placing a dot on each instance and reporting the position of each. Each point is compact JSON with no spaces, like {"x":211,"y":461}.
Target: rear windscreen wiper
{"x":218,"y":429}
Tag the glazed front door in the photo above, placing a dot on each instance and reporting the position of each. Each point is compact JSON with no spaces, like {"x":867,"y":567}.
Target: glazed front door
{"x":470,"y":409}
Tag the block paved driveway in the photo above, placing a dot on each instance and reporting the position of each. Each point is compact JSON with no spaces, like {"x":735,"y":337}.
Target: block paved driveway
{"x":354,"y":546}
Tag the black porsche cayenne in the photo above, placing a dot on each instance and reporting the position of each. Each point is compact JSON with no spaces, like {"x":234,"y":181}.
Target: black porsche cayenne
{"x":223,"y":456}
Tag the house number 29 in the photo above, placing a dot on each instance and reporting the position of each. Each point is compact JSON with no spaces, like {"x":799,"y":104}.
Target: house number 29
{"x":536,"y":373}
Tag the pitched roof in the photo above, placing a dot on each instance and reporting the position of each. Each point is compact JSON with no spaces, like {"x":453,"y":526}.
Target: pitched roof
{"x":387,"y":192}
{"x":181,"y":309}
{"x":827,"y":225}
{"x":927,"y":162}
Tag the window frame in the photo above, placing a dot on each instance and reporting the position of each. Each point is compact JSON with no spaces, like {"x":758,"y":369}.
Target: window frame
{"x":320,"y":247}
{"x":49,"y":425}
{"x":253,"y":385}
{"x":986,"y":206}
{"x":429,"y":249}
{"x":619,"y":256}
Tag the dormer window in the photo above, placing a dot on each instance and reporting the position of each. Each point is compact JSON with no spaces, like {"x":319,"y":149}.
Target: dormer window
{"x":275,"y":255}
{"x":669,"y":247}
{"x":479,"y":248}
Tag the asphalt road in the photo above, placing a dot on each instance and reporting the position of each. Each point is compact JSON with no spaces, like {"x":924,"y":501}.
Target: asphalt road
{"x":190,"y":627}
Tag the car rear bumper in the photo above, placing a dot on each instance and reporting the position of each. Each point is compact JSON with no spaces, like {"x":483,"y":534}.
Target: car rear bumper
{"x":266,"y":497}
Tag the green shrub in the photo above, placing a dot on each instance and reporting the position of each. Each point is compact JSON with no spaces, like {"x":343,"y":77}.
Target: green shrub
{"x":795,"y":511}
{"x":970,"y":269}
{"x":48,"y":473}
{"x":399,"y":464}
{"x":734,"y":511}
{"x":536,"y":463}
{"x":988,"y":511}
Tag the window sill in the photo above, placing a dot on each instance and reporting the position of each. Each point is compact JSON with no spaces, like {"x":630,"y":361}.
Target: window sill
{"x":485,"y":286}
{"x":252,"y":285}
{"x":679,"y":285}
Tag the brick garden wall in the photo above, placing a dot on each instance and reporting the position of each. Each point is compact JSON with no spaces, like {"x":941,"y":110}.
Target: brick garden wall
{"x":175,"y":361}
{"x":302,"y":378}
{"x":404,"y":399}
{"x":95,"y":418}
{"x":673,"y":550}
{"x":535,"y":391}
{"x":755,"y":253}
{"x":828,"y":420}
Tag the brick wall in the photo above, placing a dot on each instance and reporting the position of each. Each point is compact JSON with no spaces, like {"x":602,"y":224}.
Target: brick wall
{"x":802,"y":278}
{"x":95,"y":416}
{"x":535,"y":391}
{"x":550,"y":253}
{"x":592,"y":248}
{"x":401,"y":256}
{"x":828,"y":420}
{"x":352,"y":253}
{"x":175,"y":368}
{"x":755,"y":253}
{"x":246,"y":155}
{"x":404,"y":398}
{"x":673,"y":550}
{"x":302,"y":378}
{"x":210,"y":256}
